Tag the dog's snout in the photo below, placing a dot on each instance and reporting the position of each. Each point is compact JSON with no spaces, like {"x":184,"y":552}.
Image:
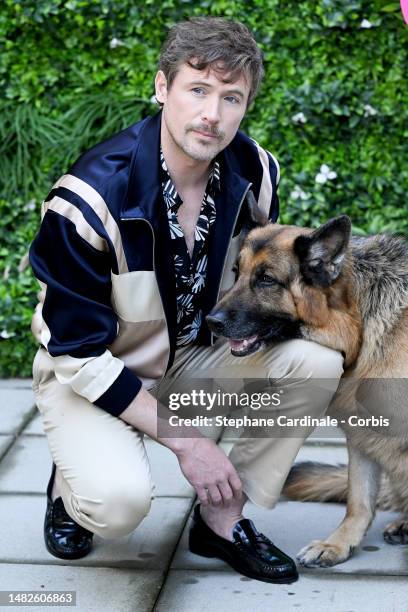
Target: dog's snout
{"x":216,"y":321}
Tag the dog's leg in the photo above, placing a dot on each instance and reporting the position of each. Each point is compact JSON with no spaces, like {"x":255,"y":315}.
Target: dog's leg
{"x":364,"y":477}
{"x":396,"y":532}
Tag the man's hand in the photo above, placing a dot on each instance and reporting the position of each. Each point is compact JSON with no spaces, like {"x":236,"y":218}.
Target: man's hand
{"x":203,"y":463}
{"x":209,"y":471}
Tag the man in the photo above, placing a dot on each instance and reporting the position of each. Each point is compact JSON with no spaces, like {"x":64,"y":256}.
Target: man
{"x":136,"y":242}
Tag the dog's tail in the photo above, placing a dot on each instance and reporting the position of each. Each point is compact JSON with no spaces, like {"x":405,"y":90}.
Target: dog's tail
{"x":320,"y":482}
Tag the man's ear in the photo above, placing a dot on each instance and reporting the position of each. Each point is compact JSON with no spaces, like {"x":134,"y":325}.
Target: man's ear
{"x":160,"y":83}
{"x":254,"y":216}
{"x":322,"y":253}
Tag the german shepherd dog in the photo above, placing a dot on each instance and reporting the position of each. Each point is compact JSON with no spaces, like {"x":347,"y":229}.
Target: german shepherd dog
{"x":350,"y":294}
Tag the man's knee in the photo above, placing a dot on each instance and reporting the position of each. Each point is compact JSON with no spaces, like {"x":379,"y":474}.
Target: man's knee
{"x":305,"y":359}
{"x":121,"y":510}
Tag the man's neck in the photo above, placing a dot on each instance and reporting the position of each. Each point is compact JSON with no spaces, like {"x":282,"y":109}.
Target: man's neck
{"x":187,"y":174}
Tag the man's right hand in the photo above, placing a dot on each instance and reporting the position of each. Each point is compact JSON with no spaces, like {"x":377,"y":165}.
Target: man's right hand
{"x":209,"y":471}
{"x":203,"y":463}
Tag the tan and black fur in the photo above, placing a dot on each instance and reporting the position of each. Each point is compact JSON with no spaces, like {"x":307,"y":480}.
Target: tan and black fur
{"x":350,"y":294}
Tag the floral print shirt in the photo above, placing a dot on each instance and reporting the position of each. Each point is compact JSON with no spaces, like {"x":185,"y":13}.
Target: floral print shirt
{"x":190,"y":272}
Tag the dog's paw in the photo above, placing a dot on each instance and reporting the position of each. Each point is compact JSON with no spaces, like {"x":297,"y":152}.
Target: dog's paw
{"x":396,"y":532}
{"x":323,"y":554}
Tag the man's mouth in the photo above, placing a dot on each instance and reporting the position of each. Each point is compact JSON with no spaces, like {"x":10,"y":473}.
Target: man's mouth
{"x":206,"y":134}
{"x":244,"y":346}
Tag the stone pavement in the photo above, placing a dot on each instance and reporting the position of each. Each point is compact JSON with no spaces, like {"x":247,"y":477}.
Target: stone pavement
{"x":151,"y":569}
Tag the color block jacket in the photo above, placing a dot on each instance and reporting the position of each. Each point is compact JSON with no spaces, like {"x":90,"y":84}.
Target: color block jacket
{"x":107,"y":310}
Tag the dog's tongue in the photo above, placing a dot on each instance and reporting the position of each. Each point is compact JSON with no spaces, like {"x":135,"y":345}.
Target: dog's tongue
{"x":240,"y":345}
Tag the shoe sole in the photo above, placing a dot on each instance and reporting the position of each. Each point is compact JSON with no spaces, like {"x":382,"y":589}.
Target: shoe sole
{"x":213,"y":553}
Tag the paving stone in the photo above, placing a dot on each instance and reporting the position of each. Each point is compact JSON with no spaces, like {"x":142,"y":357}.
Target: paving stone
{"x":150,"y":546}
{"x":166,"y":473}
{"x":27,"y":468}
{"x":15,"y":383}
{"x":35,"y":426}
{"x":292,"y":525}
{"x":96,"y":589}
{"x":16,"y":406}
{"x":5,"y":443}
{"x":209,"y":591}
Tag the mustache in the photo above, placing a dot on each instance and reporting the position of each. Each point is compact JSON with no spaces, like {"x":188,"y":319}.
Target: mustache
{"x":206,"y":129}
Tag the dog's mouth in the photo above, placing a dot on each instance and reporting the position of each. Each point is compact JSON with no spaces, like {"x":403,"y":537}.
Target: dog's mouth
{"x":245,"y":346}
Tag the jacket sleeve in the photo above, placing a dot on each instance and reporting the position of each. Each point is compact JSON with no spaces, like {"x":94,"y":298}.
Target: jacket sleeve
{"x":74,"y":320}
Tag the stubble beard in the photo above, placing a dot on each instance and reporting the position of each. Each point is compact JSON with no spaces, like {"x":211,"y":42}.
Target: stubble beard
{"x":204,"y":151}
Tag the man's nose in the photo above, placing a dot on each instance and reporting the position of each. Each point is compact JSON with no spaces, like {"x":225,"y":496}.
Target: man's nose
{"x":211,"y":110}
{"x":216,"y":321}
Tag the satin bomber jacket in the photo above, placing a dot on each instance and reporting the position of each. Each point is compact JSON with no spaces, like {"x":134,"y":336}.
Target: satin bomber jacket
{"x":107,"y":305}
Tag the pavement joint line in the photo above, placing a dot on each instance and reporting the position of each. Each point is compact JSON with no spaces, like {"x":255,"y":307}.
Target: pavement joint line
{"x":40,"y":494}
{"x":15,"y":435}
{"x":32,"y":435}
{"x":322,"y":572}
{"x":168,"y":568}
{"x":10,"y":444}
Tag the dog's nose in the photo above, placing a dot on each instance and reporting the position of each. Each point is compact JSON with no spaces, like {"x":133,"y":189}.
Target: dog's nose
{"x":216,"y":321}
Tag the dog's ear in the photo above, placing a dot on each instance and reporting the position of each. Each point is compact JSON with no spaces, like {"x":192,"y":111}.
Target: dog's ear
{"x":254,"y":216}
{"x":322,"y":253}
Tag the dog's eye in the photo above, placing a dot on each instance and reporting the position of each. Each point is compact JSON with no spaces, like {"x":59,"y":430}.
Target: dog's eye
{"x":235,"y":270}
{"x":267,"y":279}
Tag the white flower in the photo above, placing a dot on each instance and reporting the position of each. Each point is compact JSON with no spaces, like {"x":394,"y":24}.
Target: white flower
{"x":30,"y":205}
{"x":299,"y":194}
{"x":115,"y":42}
{"x":366,"y":24}
{"x":299,"y":118}
{"x":325,"y":174}
{"x":369,"y":110}
{"x":5,"y":334}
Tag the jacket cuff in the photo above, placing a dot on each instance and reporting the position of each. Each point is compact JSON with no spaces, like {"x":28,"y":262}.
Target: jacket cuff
{"x":119,"y":395}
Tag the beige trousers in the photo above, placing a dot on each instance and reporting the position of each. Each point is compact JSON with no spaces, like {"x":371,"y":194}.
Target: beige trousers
{"x":102,"y":468}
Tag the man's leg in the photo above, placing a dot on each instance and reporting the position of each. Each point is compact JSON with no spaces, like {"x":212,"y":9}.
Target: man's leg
{"x":263,"y":463}
{"x":102,"y":468}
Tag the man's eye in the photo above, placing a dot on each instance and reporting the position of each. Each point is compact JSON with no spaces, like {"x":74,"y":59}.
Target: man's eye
{"x":198,"y":90}
{"x":232,"y":99}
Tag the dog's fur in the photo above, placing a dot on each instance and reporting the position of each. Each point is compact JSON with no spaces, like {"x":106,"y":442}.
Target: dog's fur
{"x":350,"y":294}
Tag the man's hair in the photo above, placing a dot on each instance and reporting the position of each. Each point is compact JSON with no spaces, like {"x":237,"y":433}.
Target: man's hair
{"x":226,"y":46}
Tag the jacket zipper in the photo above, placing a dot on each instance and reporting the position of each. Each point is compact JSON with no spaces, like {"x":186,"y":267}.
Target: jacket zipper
{"x":229,"y":240}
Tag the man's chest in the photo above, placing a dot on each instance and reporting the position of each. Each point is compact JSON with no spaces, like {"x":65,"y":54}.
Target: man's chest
{"x":187,"y":216}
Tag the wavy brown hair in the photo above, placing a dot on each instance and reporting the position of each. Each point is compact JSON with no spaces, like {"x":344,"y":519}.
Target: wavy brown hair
{"x":228,"y":47}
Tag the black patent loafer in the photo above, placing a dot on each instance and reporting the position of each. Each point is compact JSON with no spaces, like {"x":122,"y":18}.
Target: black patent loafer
{"x":63,"y":537}
{"x":250,"y":553}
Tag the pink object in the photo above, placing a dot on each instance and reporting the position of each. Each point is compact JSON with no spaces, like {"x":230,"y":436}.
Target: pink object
{"x":404,"y":9}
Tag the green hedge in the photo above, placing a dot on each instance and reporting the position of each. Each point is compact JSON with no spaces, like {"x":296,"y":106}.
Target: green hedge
{"x":73,"y":72}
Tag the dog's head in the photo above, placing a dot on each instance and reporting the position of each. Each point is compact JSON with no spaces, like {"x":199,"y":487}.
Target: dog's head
{"x":285,"y":276}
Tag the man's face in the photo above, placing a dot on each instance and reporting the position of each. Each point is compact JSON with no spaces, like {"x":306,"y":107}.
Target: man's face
{"x":201,"y":113}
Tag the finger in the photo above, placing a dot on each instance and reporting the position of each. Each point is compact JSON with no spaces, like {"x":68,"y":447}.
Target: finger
{"x":236,"y":485}
{"x":214,"y":495}
{"x":226,"y":492}
{"x":202,"y":494}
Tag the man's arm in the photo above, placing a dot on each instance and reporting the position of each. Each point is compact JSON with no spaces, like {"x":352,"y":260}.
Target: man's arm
{"x":202,"y":462}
